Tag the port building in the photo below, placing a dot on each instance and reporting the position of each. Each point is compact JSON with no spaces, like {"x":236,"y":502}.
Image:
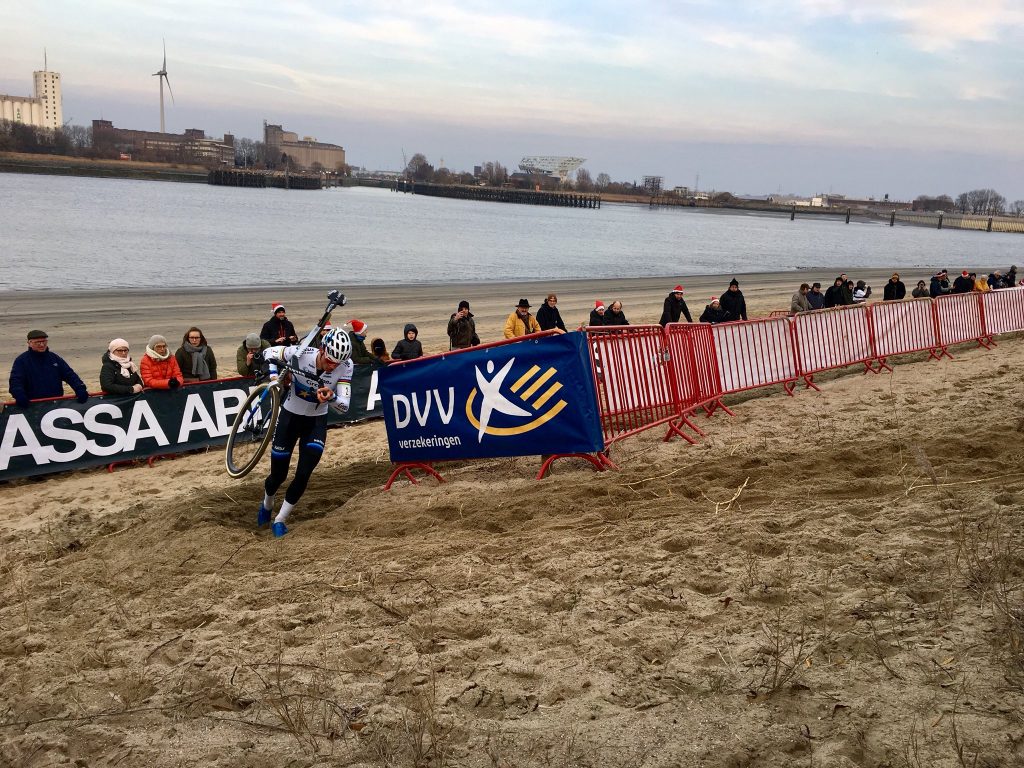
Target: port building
{"x":42,"y":110}
{"x":192,"y":146}
{"x":550,"y":165}
{"x":307,"y":153}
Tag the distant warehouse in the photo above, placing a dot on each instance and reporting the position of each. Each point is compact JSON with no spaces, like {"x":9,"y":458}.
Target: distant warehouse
{"x":285,"y":149}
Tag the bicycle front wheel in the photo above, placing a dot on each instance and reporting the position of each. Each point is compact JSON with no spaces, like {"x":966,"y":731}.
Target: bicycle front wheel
{"x":252,"y":431}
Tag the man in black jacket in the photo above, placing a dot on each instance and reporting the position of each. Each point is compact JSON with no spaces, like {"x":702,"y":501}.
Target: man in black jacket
{"x":674,"y":307}
{"x":462,"y":328}
{"x":733,"y":302}
{"x":894,"y":290}
{"x":963,"y":283}
{"x":834,"y":294}
{"x":278,"y":330}
{"x":815,"y":297}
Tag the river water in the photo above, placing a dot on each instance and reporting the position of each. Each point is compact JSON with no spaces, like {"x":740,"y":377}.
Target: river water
{"x":66,"y":232}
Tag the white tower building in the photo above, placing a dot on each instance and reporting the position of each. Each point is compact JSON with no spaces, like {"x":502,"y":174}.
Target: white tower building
{"x":43,"y":110}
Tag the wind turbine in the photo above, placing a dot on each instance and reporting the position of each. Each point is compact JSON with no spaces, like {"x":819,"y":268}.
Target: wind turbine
{"x":162,"y":74}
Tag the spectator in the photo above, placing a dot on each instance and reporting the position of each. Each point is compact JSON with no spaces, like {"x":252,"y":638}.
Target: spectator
{"x":250,"y":349}
{"x":935,"y":288}
{"x":674,"y":307}
{"x":799,"y":302}
{"x":733,"y":301}
{"x":462,"y":328}
{"x":996,"y":280}
{"x":815,"y":297}
{"x":278,"y":330}
{"x":195,"y":358}
{"x":921,"y":291}
{"x":39,"y":373}
{"x":894,"y":290}
{"x":715,"y":313}
{"x":118,"y":373}
{"x":963,"y":283}
{"x":1011,"y":276}
{"x":357,"y":333}
{"x":548,"y":316}
{"x":834,"y":294}
{"x":944,"y":282}
{"x":861,"y":292}
{"x":379,"y":351}
{"x":521,"y":322}
{"x":323,"y":332}
{"x":408,"y":348}
{"x":159,"y":368}
{"x":614,"y":315}
{"x":597,"y":313}
{"x":846,"y":290}
{"x":981,"y":284}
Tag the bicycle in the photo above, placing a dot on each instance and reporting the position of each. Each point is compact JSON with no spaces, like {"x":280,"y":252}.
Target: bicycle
{"x":254,"y":424}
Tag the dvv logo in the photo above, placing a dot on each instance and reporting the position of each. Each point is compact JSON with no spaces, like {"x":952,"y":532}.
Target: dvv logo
{"x":530,"y":398}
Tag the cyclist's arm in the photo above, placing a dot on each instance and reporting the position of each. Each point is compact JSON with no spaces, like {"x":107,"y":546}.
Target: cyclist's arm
{"x":343,"y":390}
{"x":277,"y":358}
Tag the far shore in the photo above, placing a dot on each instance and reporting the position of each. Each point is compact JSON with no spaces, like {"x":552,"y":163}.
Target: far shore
{"x":81,"y":323}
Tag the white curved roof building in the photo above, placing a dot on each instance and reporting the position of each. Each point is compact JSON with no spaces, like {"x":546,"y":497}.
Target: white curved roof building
{"x":550,"y":165}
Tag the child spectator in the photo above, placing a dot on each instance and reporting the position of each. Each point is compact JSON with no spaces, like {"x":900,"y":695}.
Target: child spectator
{"x":159,"y":367}
{"x":119,"y":375}
{"x":195,"y":358}
{"x":380,"y":351}
{"x":408,"y":348}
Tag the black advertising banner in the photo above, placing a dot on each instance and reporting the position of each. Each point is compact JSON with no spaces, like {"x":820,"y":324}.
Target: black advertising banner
{"x":58,"y":435}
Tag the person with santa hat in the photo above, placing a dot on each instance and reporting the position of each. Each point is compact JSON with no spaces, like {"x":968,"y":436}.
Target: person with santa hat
{"x":674,"y":307}
{"x":278,"y":330}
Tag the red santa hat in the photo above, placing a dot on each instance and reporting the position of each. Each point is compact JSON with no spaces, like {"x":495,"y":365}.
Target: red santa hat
{"x":677,"y":289}
{"x":714,"y":299}
{"x":358,"y":326}
{"x":965,"y":273}
{"x":278,"y":307}
{"x":599,"y":306}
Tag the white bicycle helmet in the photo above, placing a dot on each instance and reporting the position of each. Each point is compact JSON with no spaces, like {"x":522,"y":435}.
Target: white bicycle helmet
{"x":337,"y":346}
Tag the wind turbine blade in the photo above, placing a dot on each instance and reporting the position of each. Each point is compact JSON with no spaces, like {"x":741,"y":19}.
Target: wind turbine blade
{"x":164,"y":67}
{"x":169,"y":87}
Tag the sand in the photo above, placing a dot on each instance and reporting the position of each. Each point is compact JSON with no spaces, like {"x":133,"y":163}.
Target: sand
{"x":830,"y":579}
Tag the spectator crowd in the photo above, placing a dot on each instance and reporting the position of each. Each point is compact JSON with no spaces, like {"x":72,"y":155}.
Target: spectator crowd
{"x":39,"y":373}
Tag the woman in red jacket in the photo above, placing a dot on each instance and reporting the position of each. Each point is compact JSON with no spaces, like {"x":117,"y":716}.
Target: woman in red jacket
{"x":160,"y":369}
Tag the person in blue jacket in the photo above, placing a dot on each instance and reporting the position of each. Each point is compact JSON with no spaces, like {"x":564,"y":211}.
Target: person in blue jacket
{"x":39,"y":373}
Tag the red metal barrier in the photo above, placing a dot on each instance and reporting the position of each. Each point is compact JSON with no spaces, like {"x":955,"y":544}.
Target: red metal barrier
{"x":900,"y":327}
{"x":755,"y":354}
{"x":636,"y":388}
{"x":832,"y":338}
{"x":958,"y":319}
{"x":1002,"y":311}
{"x":691,"y":350}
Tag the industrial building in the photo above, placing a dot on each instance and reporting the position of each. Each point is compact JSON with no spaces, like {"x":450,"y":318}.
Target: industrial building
{"x":306,"y":154}
{"x":549,"y":165}
{"x":192,"y":146}
{"x":43,"y":110}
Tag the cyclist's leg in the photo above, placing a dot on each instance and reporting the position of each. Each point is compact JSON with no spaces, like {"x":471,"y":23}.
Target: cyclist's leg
{"x":285,"y":436}
{"x":313,"y":436}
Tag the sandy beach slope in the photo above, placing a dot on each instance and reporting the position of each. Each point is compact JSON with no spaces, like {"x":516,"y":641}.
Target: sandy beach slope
{"x":81,"y":323}
{"x":830,"y":579}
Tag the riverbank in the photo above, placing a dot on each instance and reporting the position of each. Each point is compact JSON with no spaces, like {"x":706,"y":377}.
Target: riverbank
{"x":81,"y":323}
{"x":61,"y":165}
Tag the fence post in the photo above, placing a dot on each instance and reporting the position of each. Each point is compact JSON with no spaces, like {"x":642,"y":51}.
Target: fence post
{"x":792,"y":213}
{"x":892,"y":219}
{"x":989,"y":224}
{"x":847,"y":215}
{"x":940,"y":220}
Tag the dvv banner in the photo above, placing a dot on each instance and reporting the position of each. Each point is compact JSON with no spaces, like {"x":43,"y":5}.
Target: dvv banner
{"x":518,"y":399}
{"x":57,"y":435}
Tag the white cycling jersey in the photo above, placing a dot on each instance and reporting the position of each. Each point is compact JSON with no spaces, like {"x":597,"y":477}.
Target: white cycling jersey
{"x":301,"y":398}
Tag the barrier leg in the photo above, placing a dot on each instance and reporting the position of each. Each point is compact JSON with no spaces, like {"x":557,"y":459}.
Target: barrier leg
{"x":709,"y":408}
{"x":789,"y":386}
{"x":987,"y":342}
{"x":809,"y":382}
{"x":882,"y":363}
{"x":673,"y":429}
{"x":869,"y":368}
{"x":599,"y":465}
{"x":940,"y":352}
{"x":685,"y":418}
{"x":405,"y":468}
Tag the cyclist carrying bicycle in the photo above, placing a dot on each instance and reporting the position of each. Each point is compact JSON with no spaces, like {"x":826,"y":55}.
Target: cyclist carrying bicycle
{"x":320,"y":376}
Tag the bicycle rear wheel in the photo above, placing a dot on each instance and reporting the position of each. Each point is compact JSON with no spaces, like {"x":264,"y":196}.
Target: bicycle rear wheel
{"x":252,"y":431}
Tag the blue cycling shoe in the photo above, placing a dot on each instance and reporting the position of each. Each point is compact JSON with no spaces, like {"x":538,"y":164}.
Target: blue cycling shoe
{"x":279,"y":529}
{"x":262,"y":517}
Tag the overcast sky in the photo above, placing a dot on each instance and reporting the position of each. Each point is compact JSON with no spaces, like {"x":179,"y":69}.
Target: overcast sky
{"x":804,"y":96}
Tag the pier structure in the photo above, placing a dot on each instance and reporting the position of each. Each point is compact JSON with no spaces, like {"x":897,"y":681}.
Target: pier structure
{"x":499,"y":194}
{"x":240,"y":177}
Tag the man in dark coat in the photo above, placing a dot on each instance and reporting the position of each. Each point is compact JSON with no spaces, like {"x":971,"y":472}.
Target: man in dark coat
{"x":462,"y":328}
{"x":815,"y":297}
{"x":39,"y":373}
{"x":733,"y":301}
{"x":674,"y":307}
{"x":894,"y":290}
{"x":834,"y":294}
{"x":963,"y":283}
{"x":936,"y":287}
{"x":548,"y":316}
{"x":597,"y":313}
{"x":278,"y":330}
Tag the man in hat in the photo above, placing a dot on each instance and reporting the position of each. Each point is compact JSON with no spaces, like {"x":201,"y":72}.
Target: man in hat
{"x":357,"y":333}
{"x":597,"y":313}
{"x":674,"y":307}
{"x":733,"y":301}
{"x":894,"y":290}
{"x":521,"y":322}
{"x":815,"y":297}
{"x":462,"y":328}
{"x":250,"y":349}
{"x":939,"y":284}
{"x":278,"y":330}
{"x":39,"y":373}
{"x":963,"y":283}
